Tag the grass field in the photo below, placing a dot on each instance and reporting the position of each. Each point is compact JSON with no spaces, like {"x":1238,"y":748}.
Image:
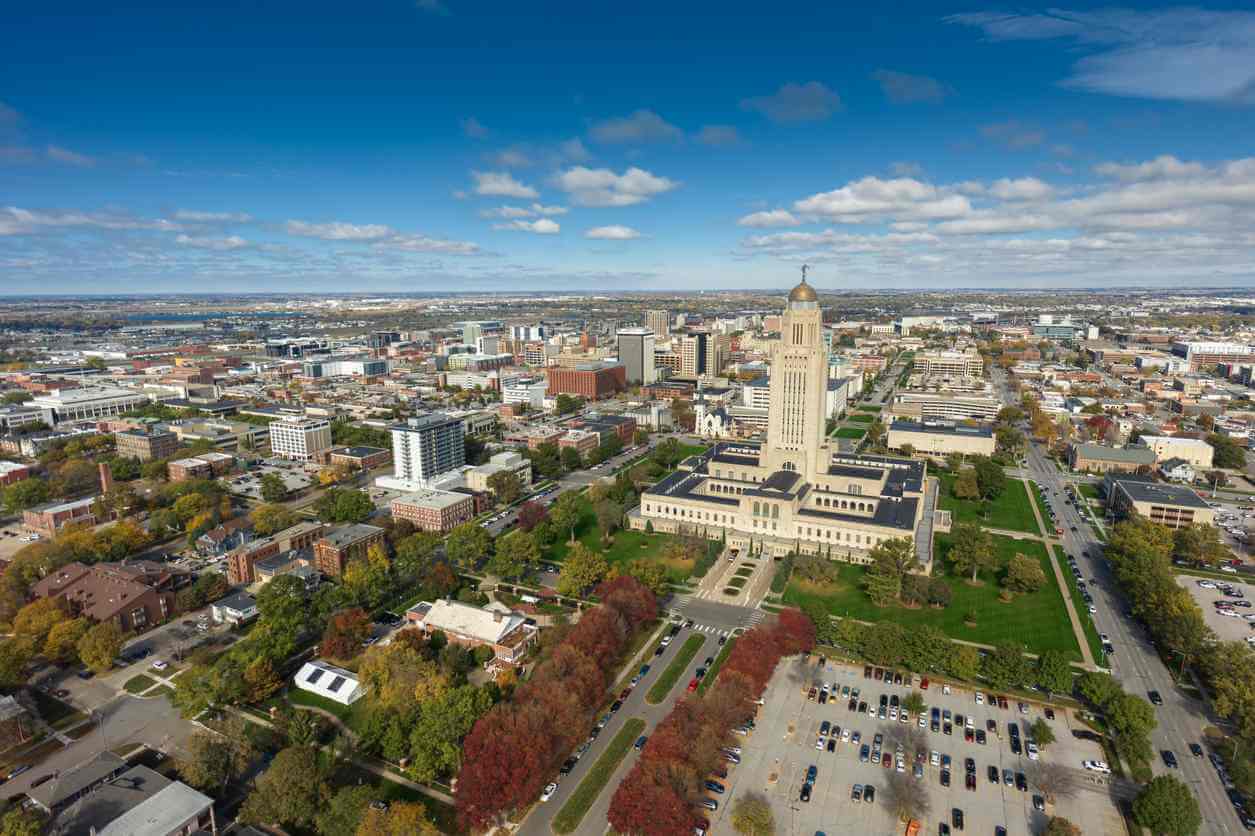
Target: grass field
{"x":667,"y":679}
{"x":1037,"y":620}
{"x":1089,"y":491}
{"x":626,"y":547}
{"x":862,"y":419}
{"x":849,"y":432}
{"x":869,"y":408}
{"x":138,"y":683}
{"x":720,"y":658}
{"x":572,"y":813}
{"x":1082,"y":612}
{"x":1010,"y":511}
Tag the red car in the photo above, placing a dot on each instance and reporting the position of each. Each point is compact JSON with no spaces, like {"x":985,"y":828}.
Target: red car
{"x":923,"y":685}
{"x":886,"y":760}
{"x":627,"y":692}
{"x":693,"y":685}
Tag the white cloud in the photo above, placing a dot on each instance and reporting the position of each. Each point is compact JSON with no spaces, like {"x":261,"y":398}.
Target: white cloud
{"x":523,"y":211}
{"x":1181,"y":54}
{"x":993,"y":222}
{"x":614,"y":232}
{"x":549,"y":210}
{"x":16,"y":221}
{"x":195,"y":216}
{"x":542,"y":226}
{"x":426,"y":244}
{"x":573,"y":150}
{"x":1161,"y":167}
{"x":473,"y":128}
{"x":869,"y":197}
{"x":640,"y":126}
{"x":769,"y":218}
{"x":718,"y":135}
{"x":809,"y":102}
{"x":230,"y":242}
{"x":511,"y":158}
{"x":904,"y":88}
{"x":338,"y":231}
{"x":602,"y":187}
{"x":1023,"y":188}
{"x":64,"y":155}
{"x":501,"y":184}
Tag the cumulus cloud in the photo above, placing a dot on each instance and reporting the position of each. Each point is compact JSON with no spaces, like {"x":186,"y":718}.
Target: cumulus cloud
{"x":1023,"y":188}
{"x":1181,"y":54}
{"x":640,"y":126}
{"x":17,"y":221}
{"x":1013,"y":134}
{"x":523,"y":211}
{"x":473,"y":128}
{"x":809,"y":102}
{"x":542,"y":226}
{"x":501,"y":184}
{"x":1161,"y":167}
{"x":904,"y":88}
{"x":603,"y":187}
{"x":195,"y":216}
{"x":718,"y":135}
{"x":614,"y":232}
{"x":426,"y":244}
{"x":230,"y":242}
{"x":573,"y":150}
{"x":769,"y":218}
{"x":338,"y":231}
{"x":64,"y":155}
{"x":872,"y":197}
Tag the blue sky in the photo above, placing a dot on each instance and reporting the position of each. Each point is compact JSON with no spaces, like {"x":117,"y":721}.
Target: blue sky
{"x":425,"y":146}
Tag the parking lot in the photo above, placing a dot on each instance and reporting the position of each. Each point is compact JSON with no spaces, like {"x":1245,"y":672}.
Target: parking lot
{"x":777,"y":754}
{"x":12,"y":538}
{"x":1227,"y":627}
{"x":294,"y":478}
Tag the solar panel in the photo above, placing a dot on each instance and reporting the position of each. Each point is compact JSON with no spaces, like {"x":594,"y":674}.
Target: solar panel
{"x":335,"y":684}
{"x":314,"y":675}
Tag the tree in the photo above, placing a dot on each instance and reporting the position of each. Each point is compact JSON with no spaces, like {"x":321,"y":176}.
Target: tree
{"x":531,"y":514}
{"x":1167,"y":806}
{"x":1006,"y":668}
{"x":1199,"y":545}
{"x":989,"y":476}
{"x":571,"y":459}
{"x":436,"y":739}
{"x":505,"y":486}
{"x":282,"y":608}
{"x":566,"y":512}
{"x":467,"y":544}
{"x":100,"y":645}
{"x":1054,"y":674}
{"x":37,"y":618}
{"x":400,"y":818}
{"x":344,"y":505}
{"x":1130,"y":717}
{"x":964,"y":663}
{"x":26,"y":494}
{"x":62,"y":643}
{"x":345,"y":810}
{"x":260,"y":680}
{"x":751,"y":815}
{"x":1009,"y":439}
{"x":651,"y":574}
{"x":581,"y":570}
{"x":272,"y":517}
{"x":345,"y":632}
{"x":1098,"y":688}
{"x":609,"y":518}
{"x":515,"y":554}
{"x":906,"y":797}
{"x":1227,"y":452}
{"x":272,"y":488}
{"x":1040,"y":732}
{"x":891,"y":561}
{"x":875,"y":432}
{"x":1024,"y":574}
{"x":415,"y":553}
{"x":20,"y":821}
{"x":939,"y":592}
{"x":212,"y":759}
{"x":565,"y":404}
{"x":914,"y":702}
{"x":971,"y":548}
{"x":15,"y":654}
{"x":1059,"y":826}
{"x":290,"y":793}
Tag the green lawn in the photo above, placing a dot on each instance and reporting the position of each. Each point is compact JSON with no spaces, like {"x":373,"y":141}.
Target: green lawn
{"x":1089,"y":491}
{"x":849,"y":432}
{"x":869,"y":408}
{"x":862,"y":419}
{"x":1037,"y":620}
{"x":627,"y":546}
{"x":667,"y":679}
{"x":1010,"y":511}
{"x":572,"y":813}
{"x":1082,"y":612}
{"x":350,"y":715}
{"x":722,"y":657}
{"x":138,"y":683}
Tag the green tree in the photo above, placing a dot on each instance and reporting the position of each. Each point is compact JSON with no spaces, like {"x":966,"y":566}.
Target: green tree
{"x":282,"y":606}
{"x":751,"y":815}
{"x":290,"y":793}
{"x":1098,"y":688}
{"x":20,"y":821}
{"x":571,"y":459}
{"x":400,"y":818}
{"x":1167,"y":806}
{"x":891,"y":561}
{"x":467,"y":544}
{"x":436,"y":739}
{"x":35,"y":620}
{"x":344,"y":810}
{"x":1041,"y":733}
{"x":971,"y":549}
{"x":1059,"y":826}
{"x":345,"y":505}
{"x":1024,"y":574}
{"x":415,"y":553}
{"x":566,"y":512}
{"x":1006,"y":668}
{"x":211,"y":759}
{"x":581,"y":570}
{"x":61,"y":645}
{"x":1200,"y":545}
{"x":272,"y":517}
{"x":1054,"y":674}
{"x":609,"y":518}
{"x":100,"y":645}
{"x":505,"y":486}
{"x":964,"y":663}
{"x":272,"y":488}
{"x":515,"y":554}
{"x":651,"y":574}
{"x":26,"y":494}
{"x":966,"y":486}
{"x":15,"y":654}
{"x":914,"y":702}
{"x":990,"y":476}
{"x":1130,"y":716}
{"x":565,"y":404}
{"x":1227,"y":452}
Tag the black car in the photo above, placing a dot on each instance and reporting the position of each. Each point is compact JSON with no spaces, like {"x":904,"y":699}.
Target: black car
{"x":567,"y":766}
{"x":723,"y":640}
{"x":806,"y":792}
{"x":945,"y":777}
{"x":714,"y":786}
{"x":1169,"y":758}
{"x":710,"y":660}
{"x":616,"y":705}
{"x":1015,"y":746}
{"x":1021,"y":782}
{"x":956,"y":818}
{"x":1196,"y":750}
{"x":869,"y":793}
{"x":1154,"y":697}
{"x":970,"y":781}
{"x":659,"y":649}
{"x":852,"y":704}
{"x":993,"y":775}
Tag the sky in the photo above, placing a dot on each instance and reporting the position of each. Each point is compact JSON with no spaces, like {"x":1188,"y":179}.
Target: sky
{"x":454,"y":145}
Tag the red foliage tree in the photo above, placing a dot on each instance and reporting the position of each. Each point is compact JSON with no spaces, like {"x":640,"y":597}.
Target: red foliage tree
{"x":506,"y":760}
{"x":630,"y":598}
{"x":345,"y":632}
{"x":796,"y":632}
{"x":646,"y":803}
{"x":440,"y":578}
{"x":532,"y":514}
{"x":600,"y":635}
{"x":575,"y":672}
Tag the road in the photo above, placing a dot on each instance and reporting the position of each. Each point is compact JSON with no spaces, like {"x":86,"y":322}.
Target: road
{"x":1136,"y":664}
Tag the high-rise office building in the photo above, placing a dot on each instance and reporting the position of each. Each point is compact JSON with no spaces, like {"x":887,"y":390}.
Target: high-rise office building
{"x":425,"y":447}
{"x":636,"y":353}
{"x":300,"y":439}
{"x":659,"y":322}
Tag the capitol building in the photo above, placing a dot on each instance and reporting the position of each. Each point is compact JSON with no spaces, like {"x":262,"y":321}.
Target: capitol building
{"x":794,"y":492}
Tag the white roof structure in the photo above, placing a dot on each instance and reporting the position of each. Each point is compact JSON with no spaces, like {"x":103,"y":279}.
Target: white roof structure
{"x":165,"y":812}
{"x":328,"y":681}
{"x":486,"y":624}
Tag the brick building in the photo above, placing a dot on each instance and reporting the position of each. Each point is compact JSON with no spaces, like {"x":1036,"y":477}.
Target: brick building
{"x":591,"y":381}
{"x":135,"y":595}
{"x":340,"y":546}
{"x":51,"y":518}
{"x":146,"y":445}
{"x":360,"y":458}
{"x":432,"y":510}
{"x":11,"y":472}
{"x":242,"y":562}
{"x":204,"y":466}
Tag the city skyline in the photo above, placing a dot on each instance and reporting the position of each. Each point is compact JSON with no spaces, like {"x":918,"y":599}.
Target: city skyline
{"x":437,"y":147}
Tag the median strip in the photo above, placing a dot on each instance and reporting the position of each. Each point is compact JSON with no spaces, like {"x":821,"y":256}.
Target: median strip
{"x":572,"y":813}
{"x":714,"y":669}
{"x":666,"y":681}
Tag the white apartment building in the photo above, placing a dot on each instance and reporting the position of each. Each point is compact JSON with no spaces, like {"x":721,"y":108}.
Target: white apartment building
{"x":300,"y":439}
{"x":424,"y":448}
{"x":88,"y":402}
{"x":530,"y":392}
{"x":949,"y":364}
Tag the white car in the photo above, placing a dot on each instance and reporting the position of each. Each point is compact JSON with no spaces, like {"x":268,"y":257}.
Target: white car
{"x":980,"y":698}
{"x":159,"y":665}
{"x":1206,"y":585}
{"x":945,"y":688}
{"x":1031,"y":748}
{"x":550,"y":789}
{"x":845,"y":733}
{"x":1230,"y":569}
{"x":1097,"y":766}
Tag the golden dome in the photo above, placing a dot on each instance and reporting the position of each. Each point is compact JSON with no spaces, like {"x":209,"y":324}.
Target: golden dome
{"x":803,"y":293}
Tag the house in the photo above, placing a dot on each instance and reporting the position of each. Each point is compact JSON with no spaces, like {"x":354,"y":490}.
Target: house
{"x":234,"y":609}
{"x":329,"y":682}
{"x":128,"y":801}
{"x":1177,"y":470}
{"x":495,"y":626}
{"x":134,"y":594}
{"x":72,"y":784}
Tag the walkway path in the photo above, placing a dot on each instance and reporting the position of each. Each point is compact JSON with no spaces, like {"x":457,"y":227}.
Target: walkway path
{"x":1081,"y":640}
